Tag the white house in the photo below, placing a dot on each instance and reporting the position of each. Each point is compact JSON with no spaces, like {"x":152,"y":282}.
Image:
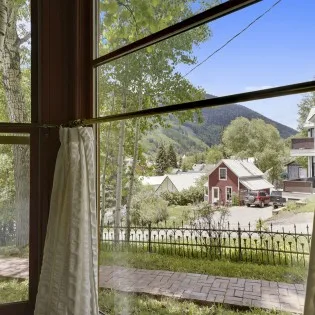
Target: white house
{"x":305,"y":146}
{"x":172,"y":183}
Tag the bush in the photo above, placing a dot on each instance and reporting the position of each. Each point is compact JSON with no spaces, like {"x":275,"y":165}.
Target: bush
{"x":148,"y":207}
{"x":235,"y":199}
{"x":192,"y":195}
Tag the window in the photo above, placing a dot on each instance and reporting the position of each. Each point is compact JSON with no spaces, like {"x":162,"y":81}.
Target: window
{"x":137,"y":77}
{"x":228,"y":193}
{"x":223,"y":173}
{"x":15,"y":151}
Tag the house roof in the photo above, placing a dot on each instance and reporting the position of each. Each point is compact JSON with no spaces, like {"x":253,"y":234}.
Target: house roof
{"x":185,"y":181}
{"x":256,"y":183}
{"x":242,"y":168}
{"x":152,"y":180}
{"x":309,"y":120}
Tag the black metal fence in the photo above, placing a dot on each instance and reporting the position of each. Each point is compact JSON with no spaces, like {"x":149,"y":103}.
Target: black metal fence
{"x":259,"y":245}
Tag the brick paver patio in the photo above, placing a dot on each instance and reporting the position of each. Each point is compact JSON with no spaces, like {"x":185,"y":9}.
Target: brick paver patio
{"x":205,"y":288}
{"x":191,"y":286}
{"x":14,"y":267}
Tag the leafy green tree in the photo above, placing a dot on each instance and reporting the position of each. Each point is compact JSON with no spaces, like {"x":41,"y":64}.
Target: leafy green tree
{"x":148,"y":207}
{"x":161,"y":163}
{"x":305,"y":106}
{"x":245,"y":138}
{"x":214,"y":155}
{"x":172,"y":158}
{"x":15,"y":74}
{"x":147,"y":78}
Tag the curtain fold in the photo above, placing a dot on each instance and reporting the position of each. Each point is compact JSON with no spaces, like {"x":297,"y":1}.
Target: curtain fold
{"x":69,"y":277}
{"x":309,"y":306}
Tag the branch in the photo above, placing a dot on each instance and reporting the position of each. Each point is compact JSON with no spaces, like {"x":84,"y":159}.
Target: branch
{"x":24,"y":39}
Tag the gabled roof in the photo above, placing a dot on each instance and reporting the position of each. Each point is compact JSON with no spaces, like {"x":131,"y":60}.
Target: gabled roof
{"x":152,"y":180}
{"x":256,"y":183}
{"x":242,"y":168}
{"x":309,"y":121}
{"x":184,"y":181}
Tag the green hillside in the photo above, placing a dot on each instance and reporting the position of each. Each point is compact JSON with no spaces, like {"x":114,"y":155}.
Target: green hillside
{"x":193,"y":137}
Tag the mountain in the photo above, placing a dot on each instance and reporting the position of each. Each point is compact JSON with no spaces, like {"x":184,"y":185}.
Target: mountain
{"x":193,"y":137}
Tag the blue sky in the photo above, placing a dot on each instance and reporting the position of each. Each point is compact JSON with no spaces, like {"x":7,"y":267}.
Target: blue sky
{"x":278,"y":49}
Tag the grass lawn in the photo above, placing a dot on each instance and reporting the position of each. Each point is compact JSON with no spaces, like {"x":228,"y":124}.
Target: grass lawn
{"x":13,"y":251}
{"x":295,"y":274}
{"x":309,"y":207}
{"x":119,"y":303}
{"x":177,"y":215}
{"x":12,"y":290}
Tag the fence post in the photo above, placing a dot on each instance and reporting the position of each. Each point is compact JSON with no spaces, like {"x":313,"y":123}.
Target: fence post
{"x":239,"y":232}
{"x":150,"y":249}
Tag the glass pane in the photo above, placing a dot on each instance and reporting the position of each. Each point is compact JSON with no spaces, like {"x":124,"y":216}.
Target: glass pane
{"x":170,"y":211}
{"x":15,"y":56}
{"x":178,"y":70}
{"x":14,"y":218}
{"x":123,"y":22}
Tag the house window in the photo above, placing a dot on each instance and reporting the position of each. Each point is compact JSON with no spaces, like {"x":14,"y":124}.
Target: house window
{"x":223,"y":173}
{"x":228,"y":193}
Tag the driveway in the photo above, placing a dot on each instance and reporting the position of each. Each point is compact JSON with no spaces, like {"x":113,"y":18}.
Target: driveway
{"x":302,"y":222}
{"x":245,"y":215}
{"x":286,"y":221}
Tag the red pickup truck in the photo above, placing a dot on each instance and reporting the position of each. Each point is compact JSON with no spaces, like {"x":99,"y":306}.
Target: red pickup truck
{"x":257,"y":198}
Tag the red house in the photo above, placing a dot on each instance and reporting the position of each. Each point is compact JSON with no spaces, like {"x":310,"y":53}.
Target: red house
{"x":234,"y":176}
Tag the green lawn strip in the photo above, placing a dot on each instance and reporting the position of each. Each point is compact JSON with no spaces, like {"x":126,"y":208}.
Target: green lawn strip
{"x":13,"y":290}
{"x":13,"y":251}
{"x":281,"y":273}
{"x":177,"y":215}
{"x":291,"y":206}
{"x":111,"y":302}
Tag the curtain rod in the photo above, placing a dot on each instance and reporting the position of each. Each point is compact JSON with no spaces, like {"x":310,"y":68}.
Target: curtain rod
{"x":297,"y":88}
{"x":196,"y":20}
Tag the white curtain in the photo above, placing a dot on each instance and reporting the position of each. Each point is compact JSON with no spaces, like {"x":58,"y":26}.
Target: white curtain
{"x":309,"y":307}
{"x":69,"y":277}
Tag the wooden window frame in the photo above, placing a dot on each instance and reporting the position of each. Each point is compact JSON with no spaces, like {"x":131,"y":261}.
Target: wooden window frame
{"x":223,"y":168}
{"x":63,"y":70}
{"x":226,"y":193}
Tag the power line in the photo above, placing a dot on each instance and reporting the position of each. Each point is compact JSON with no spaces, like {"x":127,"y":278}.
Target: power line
{"x":235,"y":36}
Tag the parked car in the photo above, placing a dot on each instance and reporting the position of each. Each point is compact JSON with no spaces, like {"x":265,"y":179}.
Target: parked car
{"x":276,"y":199}
{"x":257,"y":198}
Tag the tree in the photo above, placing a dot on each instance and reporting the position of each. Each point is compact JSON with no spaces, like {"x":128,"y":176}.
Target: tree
{"x":161,"y":163}
{"x":305,"y":106}
{"x":214,"y":155}
{"x":148,"y":207}
{"x":147,"y":78}
{"x":13,"y":35}
{"x":171,"y":156}
{"x":245,"y":138}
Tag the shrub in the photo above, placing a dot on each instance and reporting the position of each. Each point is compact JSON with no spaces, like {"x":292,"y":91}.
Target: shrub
{"x":192,"y":195}
{"x":235,"y":199}
{"x":148,"y":207}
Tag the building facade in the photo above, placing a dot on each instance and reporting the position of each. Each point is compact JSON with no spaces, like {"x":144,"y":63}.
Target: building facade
{"x":234,"y":177}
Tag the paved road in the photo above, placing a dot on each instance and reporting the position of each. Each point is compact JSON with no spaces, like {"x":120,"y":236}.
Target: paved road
{"x":302,"y":221}
{"x":246,"y":215}
{"x":286,"y":221}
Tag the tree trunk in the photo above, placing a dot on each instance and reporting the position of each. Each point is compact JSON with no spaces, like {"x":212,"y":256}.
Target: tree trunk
{"x":132,"y":176}
{"x":17,"y":112}
{"x":3,"y":26}
{"x":120,"y":169}
{"x":102,"y":214}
